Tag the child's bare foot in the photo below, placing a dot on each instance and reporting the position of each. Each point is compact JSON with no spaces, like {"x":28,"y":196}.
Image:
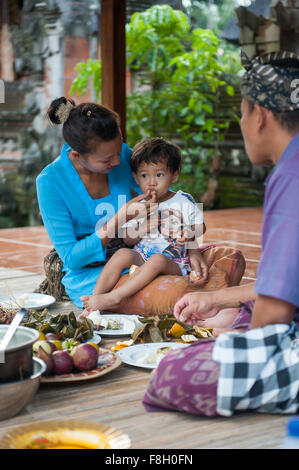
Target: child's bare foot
{"x":100,"y":301}
{"x":84,"y":313}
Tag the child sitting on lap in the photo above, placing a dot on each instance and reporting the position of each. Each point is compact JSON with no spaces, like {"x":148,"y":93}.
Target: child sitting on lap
{"x":160,"y":242}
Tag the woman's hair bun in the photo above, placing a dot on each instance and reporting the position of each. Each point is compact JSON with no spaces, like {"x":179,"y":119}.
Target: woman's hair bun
{"x":59,"y":110}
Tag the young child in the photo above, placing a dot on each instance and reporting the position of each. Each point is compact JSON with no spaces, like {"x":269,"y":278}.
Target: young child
{"x":159,"y":243}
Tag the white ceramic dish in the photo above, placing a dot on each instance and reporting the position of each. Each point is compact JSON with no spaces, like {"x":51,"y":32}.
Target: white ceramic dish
{"x":133,"y":355}
{"x":29,"y":301}
{"x":128,"y":323}
{"x":96,"y":339}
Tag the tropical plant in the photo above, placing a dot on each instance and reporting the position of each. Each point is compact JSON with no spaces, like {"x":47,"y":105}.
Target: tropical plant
{"x":179,"y":76}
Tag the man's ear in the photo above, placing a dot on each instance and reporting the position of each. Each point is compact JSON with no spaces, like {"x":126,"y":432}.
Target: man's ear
{"x":175,"y":177}
{"x":262,"y":116}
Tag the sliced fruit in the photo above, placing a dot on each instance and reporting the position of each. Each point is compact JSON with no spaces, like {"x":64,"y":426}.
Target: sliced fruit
{"x":95,"y":346}
{"x":176,"y":331}
{"x":42,"y":336}
{"x":57,"y":343}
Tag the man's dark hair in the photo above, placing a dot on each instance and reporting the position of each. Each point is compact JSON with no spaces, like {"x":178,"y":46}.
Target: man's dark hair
{"x":288,"y":120}
{"x":155,"y":150}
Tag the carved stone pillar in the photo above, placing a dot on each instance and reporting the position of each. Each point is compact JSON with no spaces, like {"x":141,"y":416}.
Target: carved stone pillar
{"x":7,"y":53}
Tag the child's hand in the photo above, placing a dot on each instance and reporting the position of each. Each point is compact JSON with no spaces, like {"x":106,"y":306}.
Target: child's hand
{"x":182,"y":240}
{"x":199,"y":267}
{"x":187,"y":236}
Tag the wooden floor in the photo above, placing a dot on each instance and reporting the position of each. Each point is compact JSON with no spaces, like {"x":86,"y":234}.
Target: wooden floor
{"x":116,"y":399}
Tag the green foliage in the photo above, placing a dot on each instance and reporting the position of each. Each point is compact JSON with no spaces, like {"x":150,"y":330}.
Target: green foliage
{"x":179,"y":74}
{"x":92,"y":68}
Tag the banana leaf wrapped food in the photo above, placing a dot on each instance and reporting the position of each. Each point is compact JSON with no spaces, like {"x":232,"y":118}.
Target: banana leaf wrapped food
{"x":64,"y":326}
{"x":167,"y":328}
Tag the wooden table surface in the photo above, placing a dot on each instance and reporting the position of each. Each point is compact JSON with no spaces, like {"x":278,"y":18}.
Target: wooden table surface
{"x":116,"y":399}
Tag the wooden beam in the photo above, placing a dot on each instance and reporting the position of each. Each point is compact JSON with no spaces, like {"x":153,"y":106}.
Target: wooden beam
{"x":113,"y":55}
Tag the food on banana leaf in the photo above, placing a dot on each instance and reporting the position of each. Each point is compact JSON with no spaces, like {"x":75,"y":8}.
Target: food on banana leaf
{"x":203,"y":332}
{"x":167,"y":328}
{"x":113,"y":324}
{"x":64,"y":326}
{"x":189,"y":338}
{"x":102,"y":323}
{"x":154,"y":357}
{"x":176,"y":331}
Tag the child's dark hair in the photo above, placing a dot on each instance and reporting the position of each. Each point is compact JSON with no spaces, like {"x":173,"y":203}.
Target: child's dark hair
{"x":154,"y":150}
{"x":84,"y":124}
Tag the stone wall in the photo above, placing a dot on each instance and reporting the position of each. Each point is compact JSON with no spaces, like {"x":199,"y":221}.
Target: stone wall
{"x":259,"y":35}
{"x":52,"y":38}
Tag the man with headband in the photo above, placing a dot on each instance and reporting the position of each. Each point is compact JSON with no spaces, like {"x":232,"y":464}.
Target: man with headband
{"x":257,"y":368}
{"x":270,"y":128}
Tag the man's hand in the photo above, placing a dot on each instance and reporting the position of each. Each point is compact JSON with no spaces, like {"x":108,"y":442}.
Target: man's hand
{"x":195,"y":307}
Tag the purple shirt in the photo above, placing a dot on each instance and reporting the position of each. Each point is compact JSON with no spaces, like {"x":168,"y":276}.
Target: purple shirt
{"x":278,"y":271}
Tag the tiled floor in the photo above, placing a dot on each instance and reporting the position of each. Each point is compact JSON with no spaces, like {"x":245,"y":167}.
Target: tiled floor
{"x":25,"y":248}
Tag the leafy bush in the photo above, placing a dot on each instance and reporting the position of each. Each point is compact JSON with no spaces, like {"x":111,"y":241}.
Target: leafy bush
{"x":179,"y":74}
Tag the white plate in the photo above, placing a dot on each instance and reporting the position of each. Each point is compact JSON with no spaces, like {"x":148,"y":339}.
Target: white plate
{"x":132,"y":354}
{"x":96,"y":339}
{"x":33,"y":301}
{"x":128,"y":323}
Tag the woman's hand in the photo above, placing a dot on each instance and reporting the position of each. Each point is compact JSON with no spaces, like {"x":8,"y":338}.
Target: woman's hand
{"x":195,"y":307}
{"x":140,"y":207}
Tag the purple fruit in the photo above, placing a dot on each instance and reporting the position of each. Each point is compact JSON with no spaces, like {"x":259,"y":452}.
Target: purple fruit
{"x":63,"y":362}
{"x":47,"y":358}
{"x":85,"y":357}
{"x":52,"y":346}
{"x":51,"y":337}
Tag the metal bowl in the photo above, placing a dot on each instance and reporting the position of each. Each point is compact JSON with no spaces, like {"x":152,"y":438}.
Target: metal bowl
{"x":18,"y":362}
{"x":14,"y":396}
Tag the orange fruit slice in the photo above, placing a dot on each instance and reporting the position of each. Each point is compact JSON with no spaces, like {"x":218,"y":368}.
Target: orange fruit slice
{"x":176,"y":331}
{"x":95,"y":346}
{"x":57,"y":343}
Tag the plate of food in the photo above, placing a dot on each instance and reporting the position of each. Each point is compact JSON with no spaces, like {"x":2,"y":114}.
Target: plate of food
{"x":71,"y":366}
{"x":113,"y":324}
{"x":29,"y":301}
{"x":147,"y":355}
{"x":65,"y":434}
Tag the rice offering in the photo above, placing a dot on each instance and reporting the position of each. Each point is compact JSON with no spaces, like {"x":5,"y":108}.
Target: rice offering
{"x":154,"y":357}
{"x":102,"y":323}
